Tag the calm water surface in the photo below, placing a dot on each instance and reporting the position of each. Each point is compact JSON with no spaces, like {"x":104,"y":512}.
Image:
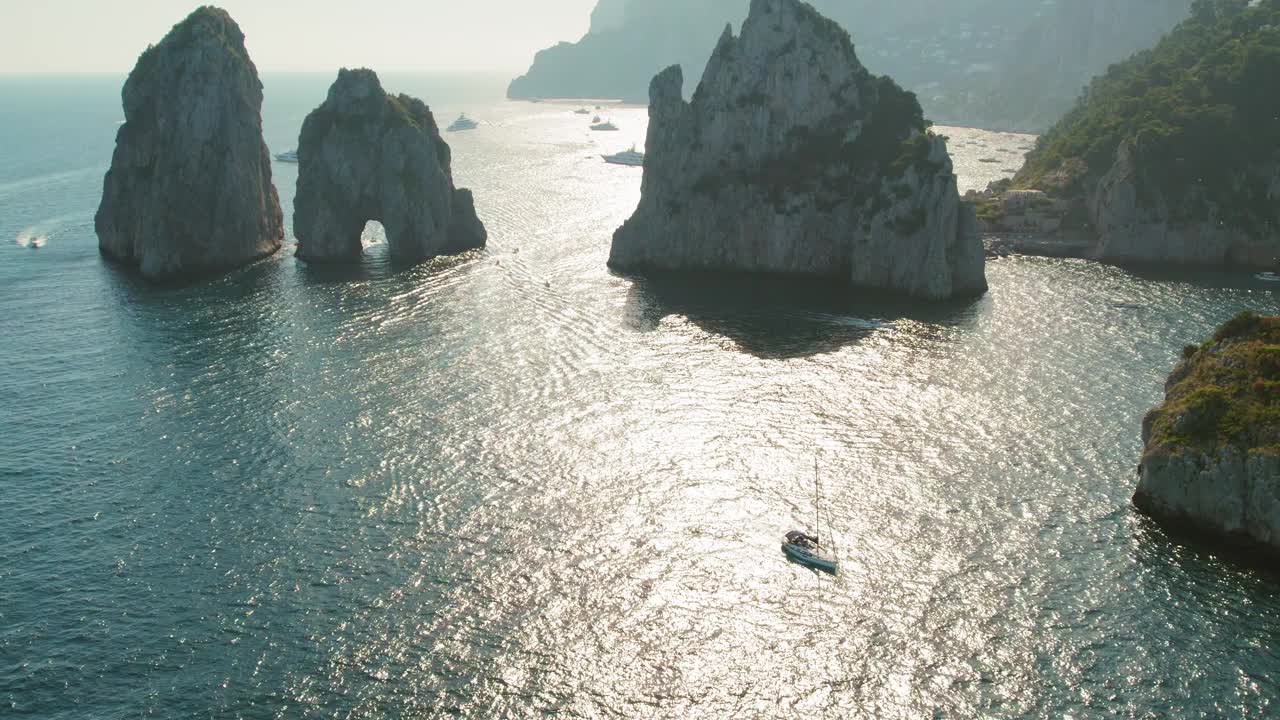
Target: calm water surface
{"x":513,"y":484}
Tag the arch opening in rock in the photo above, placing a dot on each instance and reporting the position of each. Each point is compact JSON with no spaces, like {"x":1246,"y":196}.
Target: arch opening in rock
{"x":367,"y":156}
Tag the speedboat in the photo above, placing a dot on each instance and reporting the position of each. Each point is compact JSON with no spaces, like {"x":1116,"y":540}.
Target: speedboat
{"x":607,"y":125}
{"x":1268,"y":276}
{"x":629,"y":157}
{"x":288,"y":157}
{"x":806,"y":550}
{"x":462,"y":123}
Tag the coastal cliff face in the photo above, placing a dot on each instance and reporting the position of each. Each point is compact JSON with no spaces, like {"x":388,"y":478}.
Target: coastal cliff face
{"x":1171,"y":155}
{"x":1136,"y":222}
{"x":1211,"y":462}
{"x":628,"y":42}
{"x":793,"y":159}
{"x":365,"y":155}
{"x":998,"y":64}
{"x":189,"y":191}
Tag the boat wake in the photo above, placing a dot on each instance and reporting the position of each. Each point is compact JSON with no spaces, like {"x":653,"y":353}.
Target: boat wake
{"x":38,"y":235}
{"x":28,"y":239}
{"x":44,"y":183}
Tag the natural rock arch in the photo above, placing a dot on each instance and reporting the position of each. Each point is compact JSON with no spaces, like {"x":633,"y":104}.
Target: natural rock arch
{"x":365,"y":155}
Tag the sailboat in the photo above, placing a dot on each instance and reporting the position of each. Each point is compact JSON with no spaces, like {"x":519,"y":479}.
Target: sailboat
{"x":807,"y":549}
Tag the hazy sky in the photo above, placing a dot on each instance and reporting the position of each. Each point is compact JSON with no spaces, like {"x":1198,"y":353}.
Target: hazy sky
{"x":435,"y":35}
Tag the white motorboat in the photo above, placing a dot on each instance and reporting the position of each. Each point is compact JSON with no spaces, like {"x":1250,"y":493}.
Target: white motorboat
{"x":1268,"y":276}
{"x":630,"y":157}
{"x":288,"y":157}
{"x":462,"y":123}
{"x":607,"y":125}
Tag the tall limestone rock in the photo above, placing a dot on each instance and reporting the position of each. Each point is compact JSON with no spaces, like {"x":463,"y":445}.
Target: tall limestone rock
{"x":366,"y":155}
{"x":1212,"y":457}
{"x":189,"y":190}
{"x":792,"y":158}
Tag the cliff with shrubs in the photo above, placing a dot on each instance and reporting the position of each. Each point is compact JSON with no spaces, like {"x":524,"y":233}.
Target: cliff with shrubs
{"x":1175,"y":153}
{"x":1211,"y":462}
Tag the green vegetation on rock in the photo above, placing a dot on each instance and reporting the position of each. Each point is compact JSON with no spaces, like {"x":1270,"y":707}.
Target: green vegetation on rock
{"x":1198,"y":109}
{"x":1226,"y":392}
{"x":204,"y":21}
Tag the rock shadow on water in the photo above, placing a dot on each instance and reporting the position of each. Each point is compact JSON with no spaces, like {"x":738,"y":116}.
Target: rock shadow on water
{"x":377,"y":263}
{"x":778,"y":317}
{"x":247,"y":284}
{"x":1181,"y":556}
{"x":1211,"y":278}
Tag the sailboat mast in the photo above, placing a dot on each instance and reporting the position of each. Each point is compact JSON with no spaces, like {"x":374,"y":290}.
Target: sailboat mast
{"x":817,"y":500}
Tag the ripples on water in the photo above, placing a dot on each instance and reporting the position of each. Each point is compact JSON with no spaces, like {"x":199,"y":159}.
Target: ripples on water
{"x":511,"y":483}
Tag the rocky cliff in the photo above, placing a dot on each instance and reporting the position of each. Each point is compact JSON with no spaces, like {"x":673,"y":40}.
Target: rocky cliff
{"x":1173,"y":152}
{"x":792,"y":158}
{"x":1211,"y":462}
{"x":366,"y":155}
{"x":629,"y":41}
{"x":1136,"y":222}
{"x":999,"y":64}
{"x":189,"y":190}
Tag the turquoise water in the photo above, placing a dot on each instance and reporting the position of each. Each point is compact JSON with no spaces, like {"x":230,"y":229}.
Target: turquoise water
{"x":512,"y":484}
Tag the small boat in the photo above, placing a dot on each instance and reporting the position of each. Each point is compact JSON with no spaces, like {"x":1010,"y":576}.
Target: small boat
{"x":628,"y":157}
{"x":1268,"y":276}
{"x":607,"y":125}
{"x":582,"y":111}
{"x":462,"y":123}
{"x":806,"y":549}
{"x":288,"y":157}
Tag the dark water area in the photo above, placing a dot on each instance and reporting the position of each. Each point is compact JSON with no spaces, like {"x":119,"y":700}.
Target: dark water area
{"x":513,"y":484}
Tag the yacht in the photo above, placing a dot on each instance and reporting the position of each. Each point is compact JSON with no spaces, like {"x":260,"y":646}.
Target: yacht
{"x":805,"y":549}
{"x":288,"y":157}
{"x":606,"y":125}
{"x":462,"y":123}
{"x":628,"y":157}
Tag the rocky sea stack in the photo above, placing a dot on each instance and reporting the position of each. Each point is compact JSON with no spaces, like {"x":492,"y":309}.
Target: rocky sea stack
{"x":366,"y":155}
{"x":792,"y":158}
{"x":189,"y":190}
{"x":1212,"y":458}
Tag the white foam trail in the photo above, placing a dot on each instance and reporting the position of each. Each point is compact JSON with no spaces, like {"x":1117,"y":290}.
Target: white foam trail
{"x":44,"y":182}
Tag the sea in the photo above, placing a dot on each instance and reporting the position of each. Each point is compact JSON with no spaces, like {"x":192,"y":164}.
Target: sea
{"x":514,"y":484}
